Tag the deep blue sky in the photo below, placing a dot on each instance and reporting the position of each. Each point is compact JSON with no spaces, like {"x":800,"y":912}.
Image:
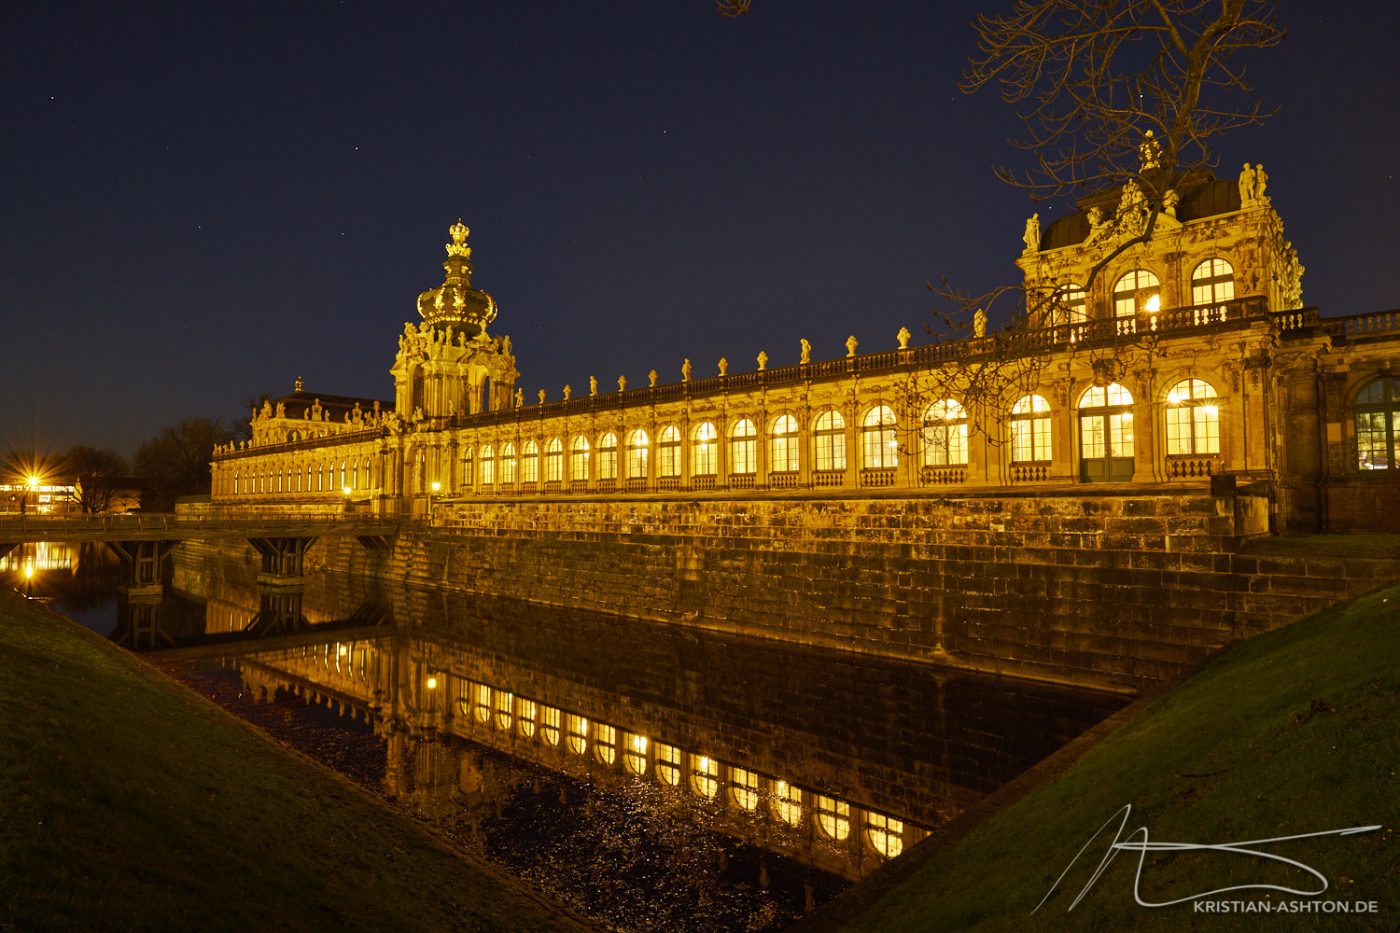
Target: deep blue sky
{"x":201,"y":202}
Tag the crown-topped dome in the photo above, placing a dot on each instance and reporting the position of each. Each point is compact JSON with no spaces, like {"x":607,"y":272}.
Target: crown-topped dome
{"x":455,"y":301}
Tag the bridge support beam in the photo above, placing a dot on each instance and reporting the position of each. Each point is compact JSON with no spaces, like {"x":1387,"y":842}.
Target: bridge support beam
{"x":141,"y":563}
{"x":283,"y":560}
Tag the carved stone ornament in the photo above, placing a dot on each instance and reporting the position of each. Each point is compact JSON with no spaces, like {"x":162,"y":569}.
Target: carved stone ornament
{"x":903,"y":338}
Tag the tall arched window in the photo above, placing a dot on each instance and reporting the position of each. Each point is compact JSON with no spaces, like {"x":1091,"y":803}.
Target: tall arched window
{"x":488,"y":465}
{"x":1106,"y":434}
{"x":1212,"y":284}
{"x":549,"y":724}
{"x":945,"y":434}
{"x":743,"y":448}
{"x":1136,"y":292}
{"x":525,"y":713}
{"x":1377,"y":416}
{"x":667,"y":761}
{"x":743,"y":788}
{"x":704,"y":450}
{"x":704,"y":776}
{"x":553,"y":460}
{"x":1069,"y":311}
{"x":1030,"y":430}
{"x":607,"y":456}
{"x":787,"y":803}
{"x":468,"y":462}
{"x":668,"y":452}
{"x":575,"y":733}
{"x":530,"y":463}
{"x":578,"y":459}
{"x":829,"y":441}
{"x":605,"y":743}
{"x":634,"y":754}
{"x":508,"y":464}
{"x":638,"y":450}
{"x":369,"y":472}
{"x":879,"y":449}
{"x":505,"y":709}
{"x":783,"y":445}
{"x":1193,"y":419}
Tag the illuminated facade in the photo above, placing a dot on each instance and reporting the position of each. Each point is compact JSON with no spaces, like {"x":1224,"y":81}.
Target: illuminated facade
{"x":1169,"y":361}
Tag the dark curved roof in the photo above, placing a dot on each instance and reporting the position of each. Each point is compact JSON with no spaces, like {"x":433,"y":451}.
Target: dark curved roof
{"x":1203,"y":195}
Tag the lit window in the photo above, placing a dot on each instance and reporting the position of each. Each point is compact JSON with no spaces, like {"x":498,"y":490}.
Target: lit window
{"x":1030,"y":430}
{"x":783,"y":445}
{"x":704,"y":450}
{"x":549,"y":724}
{"x":488,"y":465}
{"x":1212,"y":284}
{"x":634,"y":754}
{"x":743,"y":788}
{"x":1378,"y":425}
{"x":1136,"y":292}
{"x":525,"y":713}
{"x":1105,"y":422}
{"x":607,"y":456}
{"x":475,"y":701}
{"x":704,"y":776}
{"x":553,"y":460}
{"x":833,"y":816}
{"x":530,"y":463}
{"x":467,"y":478}
{"x":1068,"y":306}
{"x":829,"y":441}
{"x":885,"y":834}
{"x":787,"y":803}
{"x":668,"y":451}
{"x":638,"y":444}
{"x":668,"y":764}
{"x":605,"y":743}
{"x":1193,"y":419}
{"x":578,"y":459}
{"x":575,"y":733}
{"x":508,"y":463}
{"x":504,"y":705}
{"x":743,"y":447}
{"x":945,"y":434}
{"x":879,"y":448}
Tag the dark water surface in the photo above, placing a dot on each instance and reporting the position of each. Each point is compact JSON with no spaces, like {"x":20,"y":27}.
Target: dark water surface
{"x":652,"y":776}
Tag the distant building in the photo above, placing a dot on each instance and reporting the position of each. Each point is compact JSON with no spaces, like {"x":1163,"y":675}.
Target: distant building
{"x":1175,"y":360}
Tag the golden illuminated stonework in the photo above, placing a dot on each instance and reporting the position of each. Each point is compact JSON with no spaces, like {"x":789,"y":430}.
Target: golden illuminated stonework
{"x":455,"y":302}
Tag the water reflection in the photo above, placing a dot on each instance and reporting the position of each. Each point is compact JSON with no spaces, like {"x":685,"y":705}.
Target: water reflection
{"x":683,"y":768}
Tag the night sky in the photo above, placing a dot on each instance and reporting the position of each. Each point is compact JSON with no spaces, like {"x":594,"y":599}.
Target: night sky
{"x":202,"y":202}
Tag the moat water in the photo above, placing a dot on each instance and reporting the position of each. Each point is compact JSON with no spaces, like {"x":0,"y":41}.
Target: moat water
{"x":649,"y":775}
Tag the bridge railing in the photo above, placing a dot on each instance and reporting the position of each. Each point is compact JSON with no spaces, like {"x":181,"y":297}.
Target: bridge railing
{"x":205,"y":520}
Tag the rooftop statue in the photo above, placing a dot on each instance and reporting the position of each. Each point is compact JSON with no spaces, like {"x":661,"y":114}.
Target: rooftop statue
{"x":806,"y":351}
{"x":685,"y":370}
{"x":903,"y":338}
{"x":762,"y":360}
{"x":851,"y":344}
{"x":1032,"y":234}
{"x":723,"y":366}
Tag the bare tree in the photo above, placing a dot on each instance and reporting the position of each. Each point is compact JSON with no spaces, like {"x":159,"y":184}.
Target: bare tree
{"x":95,"y":475}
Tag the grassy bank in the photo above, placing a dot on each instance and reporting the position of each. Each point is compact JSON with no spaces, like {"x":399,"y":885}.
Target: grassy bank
{"x":1297,"y":731}
{"x":129,"y":803}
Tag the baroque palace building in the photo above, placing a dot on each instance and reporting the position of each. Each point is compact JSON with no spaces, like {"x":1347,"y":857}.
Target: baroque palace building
{"x":1185,"y":357}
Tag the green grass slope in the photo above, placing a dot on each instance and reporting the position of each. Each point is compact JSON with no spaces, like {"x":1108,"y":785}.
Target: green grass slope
{"x":1296,"y":731}
{"x":128,"y":803}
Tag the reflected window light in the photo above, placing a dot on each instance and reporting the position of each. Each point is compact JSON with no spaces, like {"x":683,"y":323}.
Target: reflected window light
{"x":576,"y":733}
{"x":549,"y":724}
{"x":525,"y":718}
{"x":704,"y":776}
{"x":634,"y":754}
{"x":787,"y":803}
{"x":885,"y":834}
{"x":481,"y":703}
{"x":743,"y":788}
{"x":668,"y":764}
{"x":833,"y":816}
{"x":505,"y":702}
{"x":605,"y":743}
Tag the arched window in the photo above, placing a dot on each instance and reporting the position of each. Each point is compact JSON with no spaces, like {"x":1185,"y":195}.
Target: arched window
{"x":1136,"y":292}
{"x":945,"y":434}
{"x":481,"y":702}
{"x":668,"y":452}
{"x":1378,"y":424}
{"x":1068,"y":307}
{"x":505,"y":709}
{"x":607,"y":456}
{"x":1212,"y":284}
{"x":508,"y":464}
{"x":634,"y":754}
{"x":237,"y":480}
{"x":638,"y":449}
{"x":743,"y":448}
{"x":783,"y":445}
{"x":575,"y":733}
{"x":369,"y":472}
{"x":743,"y":788}
{"x":309,"y":487}
{"x":467,"y":463}
{"x":488,"y":465}
{"x":605,"y":743}
{"x":549,"y":724}
{"x":787,"y":803}
{"x":578,"y":459}
{"x":553,"y":460}
{"x":878,"y":447}
{"x":525,"y":713}
{"x":1106,"y":434}
{"x":833,"y":816}
{"x":1193,"y":419}
{"x":668,"y":764}
{"x":829,"y":441}
{"x":704,"y":776}
{"x":885,"y":834}
{"x":704,"y":450}
{"x":530,"y":463}
{"x":1030,"y":430}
